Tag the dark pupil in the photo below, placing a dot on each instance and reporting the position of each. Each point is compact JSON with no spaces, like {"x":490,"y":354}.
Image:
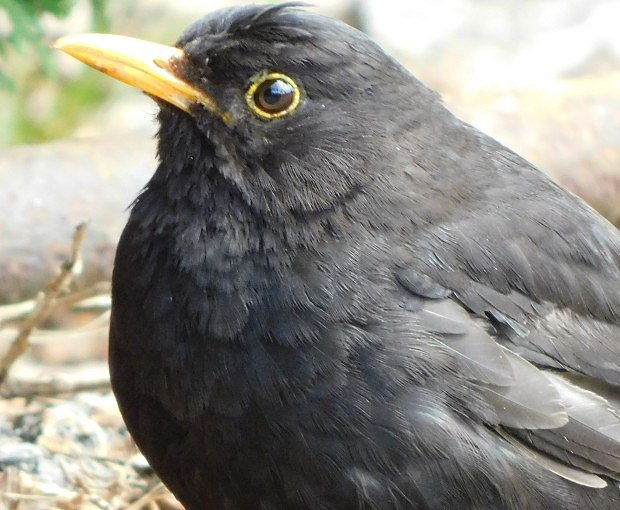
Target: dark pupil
{"x":274,"y":95}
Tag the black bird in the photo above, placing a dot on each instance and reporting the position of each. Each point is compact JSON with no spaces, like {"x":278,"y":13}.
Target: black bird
{"x":333,"y":294}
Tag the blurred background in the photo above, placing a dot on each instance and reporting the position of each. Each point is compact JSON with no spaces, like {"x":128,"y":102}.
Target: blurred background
{"x":541,"y":76}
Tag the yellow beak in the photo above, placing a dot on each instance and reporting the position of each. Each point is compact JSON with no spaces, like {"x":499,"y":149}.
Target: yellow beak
{"x":148,"y":66}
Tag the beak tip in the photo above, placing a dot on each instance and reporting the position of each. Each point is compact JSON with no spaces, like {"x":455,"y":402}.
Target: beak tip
{"x":60,"y":43}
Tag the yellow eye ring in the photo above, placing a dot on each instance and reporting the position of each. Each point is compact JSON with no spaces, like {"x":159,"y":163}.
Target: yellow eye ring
{"x":273,"y":95}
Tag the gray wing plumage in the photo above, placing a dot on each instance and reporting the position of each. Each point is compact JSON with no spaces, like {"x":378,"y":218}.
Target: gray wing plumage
{"x":526,"y":295}
{"x":569,"y":424}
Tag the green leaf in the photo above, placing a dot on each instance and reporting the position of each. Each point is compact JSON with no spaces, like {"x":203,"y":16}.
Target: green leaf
{"x":59,"y":8}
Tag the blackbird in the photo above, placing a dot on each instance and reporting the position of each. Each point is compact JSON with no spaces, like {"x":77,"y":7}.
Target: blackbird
{"x":333,"y":294}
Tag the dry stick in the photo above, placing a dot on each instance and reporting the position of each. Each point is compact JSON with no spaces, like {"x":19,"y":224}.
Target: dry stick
{"x":14,"y":311}
{"x":154,"y":494}
{"x":98,"y":289}
{"x":53,"y":388}
{"x":46,"y":302}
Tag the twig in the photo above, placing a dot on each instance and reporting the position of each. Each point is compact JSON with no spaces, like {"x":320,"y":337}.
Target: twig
{"x":16,"y":496}
{"x":45,"y":303}
{"x":99,"y":289}
{"x":14,"y":311}
{"x":96,"y":296}
{"x":156,"y":493}
{"x":98,"y":325}
{"x":82,"y":455}
{"x":52,"y":388}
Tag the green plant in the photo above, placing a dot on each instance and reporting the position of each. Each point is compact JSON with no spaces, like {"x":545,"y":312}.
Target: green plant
{"x":30,"y":72}
{"x":26,"y":30}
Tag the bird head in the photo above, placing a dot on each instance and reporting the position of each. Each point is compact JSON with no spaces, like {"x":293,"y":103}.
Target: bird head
{"x":292,"y":108}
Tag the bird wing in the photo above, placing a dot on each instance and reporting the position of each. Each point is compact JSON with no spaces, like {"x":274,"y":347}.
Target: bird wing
{"x":568,"y":422}
{"x":524,"y":289}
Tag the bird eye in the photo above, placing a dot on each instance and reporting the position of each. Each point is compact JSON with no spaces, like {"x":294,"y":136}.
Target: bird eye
{"x":273,"y":95}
